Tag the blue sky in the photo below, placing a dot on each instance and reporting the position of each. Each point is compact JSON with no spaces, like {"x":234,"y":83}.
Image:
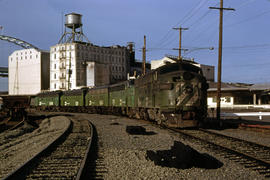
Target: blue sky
{"x":108,"y":22}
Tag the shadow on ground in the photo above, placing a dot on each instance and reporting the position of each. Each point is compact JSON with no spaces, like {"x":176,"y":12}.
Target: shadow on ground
{"x":115,"y":124}
{"x":182,"y":156}
{"x":138,"y":130}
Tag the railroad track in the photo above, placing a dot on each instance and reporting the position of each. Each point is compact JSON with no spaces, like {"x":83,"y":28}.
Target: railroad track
{"x":251,"y":155}
{"x":65,"y":158}
{"x":96,"y":168}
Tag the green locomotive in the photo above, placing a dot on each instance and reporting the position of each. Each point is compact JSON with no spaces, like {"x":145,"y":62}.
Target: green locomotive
{"x":174,"y":95}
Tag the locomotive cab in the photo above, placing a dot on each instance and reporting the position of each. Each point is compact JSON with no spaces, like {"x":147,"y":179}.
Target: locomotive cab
{"x":174,"y":94}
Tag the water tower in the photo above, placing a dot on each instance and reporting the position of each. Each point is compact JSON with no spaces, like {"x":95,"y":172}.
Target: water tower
{"x":73,"y":29}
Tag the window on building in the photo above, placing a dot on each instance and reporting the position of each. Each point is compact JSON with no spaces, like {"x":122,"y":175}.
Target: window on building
{"x":54,"y":76}
{"x":54,"y":66}
{"x":36,"y":56}
{"x":25,"y":57}
{"x":31,"y":57}
{"x":54,"y":86}
{"x":54,"y":56}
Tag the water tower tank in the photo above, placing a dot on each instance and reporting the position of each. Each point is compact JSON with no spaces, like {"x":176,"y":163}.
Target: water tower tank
{"x":73,"y":20}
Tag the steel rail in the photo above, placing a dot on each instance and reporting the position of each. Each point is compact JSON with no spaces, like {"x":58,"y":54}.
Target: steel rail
{"x":82,"y":167}
{"x":247,"y":157}
{"x":234,"y":138}
{"x":17,"y":173}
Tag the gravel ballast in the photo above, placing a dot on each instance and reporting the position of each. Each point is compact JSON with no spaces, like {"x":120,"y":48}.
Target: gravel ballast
{"x":19,"y":145}
{"x":256,"y":136}
{"x":132,"y":149}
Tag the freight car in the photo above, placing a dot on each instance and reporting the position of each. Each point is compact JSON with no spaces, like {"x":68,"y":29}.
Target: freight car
{"x":173,"y":95}
{"x":16,"y":106}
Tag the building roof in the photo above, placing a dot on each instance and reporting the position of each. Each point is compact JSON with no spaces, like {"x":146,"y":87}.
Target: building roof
{"x":168,"y":59}
{"x":30,"y":49}
{"x":229,"y":86}
{"x":262,"y":86}
{"x":239,"y":87}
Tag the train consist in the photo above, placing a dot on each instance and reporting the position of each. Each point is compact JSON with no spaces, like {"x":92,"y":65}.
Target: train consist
{"x":173,"y":95}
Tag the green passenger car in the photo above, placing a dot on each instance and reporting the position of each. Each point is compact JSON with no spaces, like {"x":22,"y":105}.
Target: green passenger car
{"x":130,"y":93}
{"x":117,"y":95}
{"x":73,"y":97}
{"x":48,"y":98}
{"x":144,"y":95}
{"x":97,"y":97}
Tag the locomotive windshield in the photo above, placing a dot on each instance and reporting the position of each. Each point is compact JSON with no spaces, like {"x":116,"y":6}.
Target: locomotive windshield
{"x":179,"y":67}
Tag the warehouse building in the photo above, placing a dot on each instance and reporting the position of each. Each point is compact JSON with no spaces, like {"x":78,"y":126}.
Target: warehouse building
{"x":76,"y":63}
{"x":73,"y":65}
{"x":28,"y":72}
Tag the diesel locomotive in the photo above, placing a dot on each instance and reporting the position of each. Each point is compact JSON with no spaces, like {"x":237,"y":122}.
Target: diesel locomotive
{"x":173,"y":95}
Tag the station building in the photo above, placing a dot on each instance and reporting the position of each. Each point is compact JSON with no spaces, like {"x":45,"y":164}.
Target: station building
{"x":239,"y":96}
{"x":29,"y":72}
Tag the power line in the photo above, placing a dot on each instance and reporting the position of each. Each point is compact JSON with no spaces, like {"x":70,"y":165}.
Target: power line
{"x":200,"y":35}
{"x":247,"y":19}
{"x":199,"y":19}
{"x":190,"y":14}
{"x":193,"y":12}
{"x":247,"y":46}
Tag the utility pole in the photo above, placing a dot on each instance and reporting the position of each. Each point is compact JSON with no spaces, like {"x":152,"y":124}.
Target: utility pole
{"x":144,"y":55}
{"x":221,"y":9}
{"x":180,"y":41}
